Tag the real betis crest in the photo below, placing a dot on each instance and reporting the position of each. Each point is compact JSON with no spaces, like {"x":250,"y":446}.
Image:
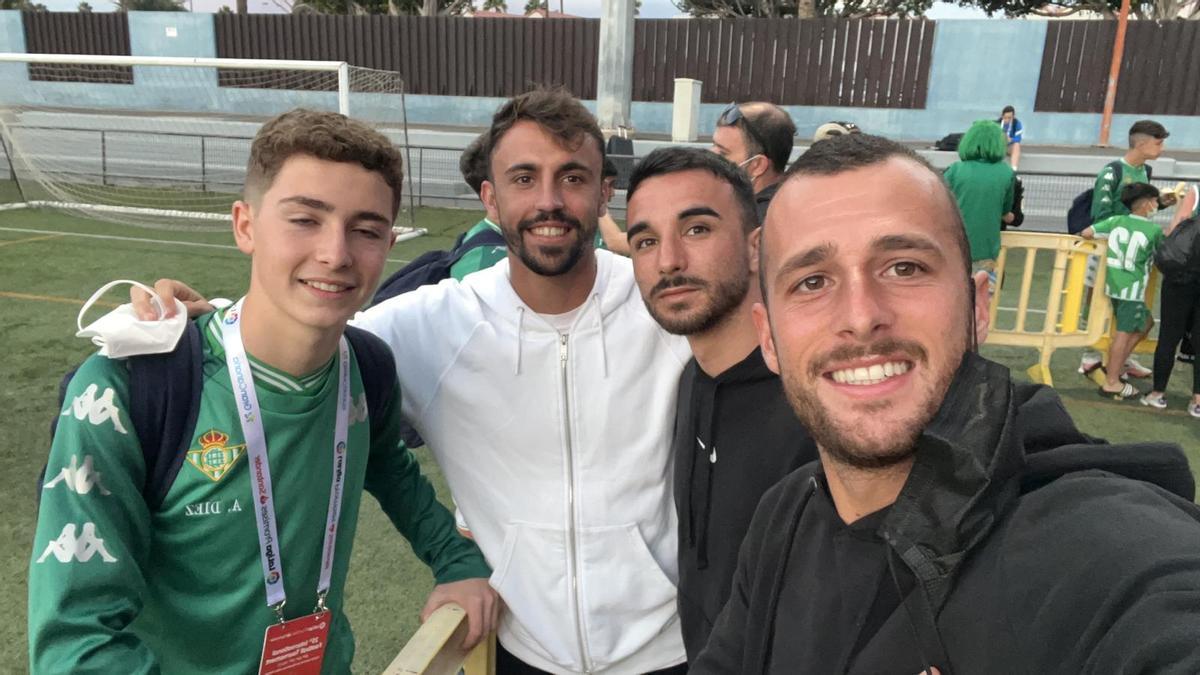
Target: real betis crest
{"x":214,"y":458}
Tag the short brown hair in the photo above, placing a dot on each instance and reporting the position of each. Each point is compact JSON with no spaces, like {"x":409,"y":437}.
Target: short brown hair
{"x":555,"y":110}
{"x":473,"y":163}
{"x":324,"y":135}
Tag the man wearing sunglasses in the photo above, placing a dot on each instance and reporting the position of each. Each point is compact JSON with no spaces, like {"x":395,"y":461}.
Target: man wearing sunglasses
{"x":758,"y":138}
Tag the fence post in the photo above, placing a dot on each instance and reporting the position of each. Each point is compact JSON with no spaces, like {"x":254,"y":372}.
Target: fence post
{"x":685,"y":112}
{"x":1114,"y":73}
{"x":103,"y":158}
{"x":614,"y":77}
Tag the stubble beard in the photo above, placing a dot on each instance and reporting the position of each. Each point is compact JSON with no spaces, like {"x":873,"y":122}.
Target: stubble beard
{"x":850,"y":443}
{"x":551,"y":261}
{"x":722,"y":297}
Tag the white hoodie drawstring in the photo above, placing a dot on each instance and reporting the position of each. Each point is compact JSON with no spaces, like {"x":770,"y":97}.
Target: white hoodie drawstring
{"x":520,"y":327}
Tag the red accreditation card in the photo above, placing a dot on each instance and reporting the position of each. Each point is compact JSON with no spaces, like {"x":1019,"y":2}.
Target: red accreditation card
{"x":296,"y":647}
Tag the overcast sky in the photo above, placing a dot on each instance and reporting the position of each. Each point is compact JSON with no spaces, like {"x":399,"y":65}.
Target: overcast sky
{"x":651,"y":9}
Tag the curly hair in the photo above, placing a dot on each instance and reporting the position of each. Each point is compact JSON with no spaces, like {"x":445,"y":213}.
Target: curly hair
{"x":324,"y":135}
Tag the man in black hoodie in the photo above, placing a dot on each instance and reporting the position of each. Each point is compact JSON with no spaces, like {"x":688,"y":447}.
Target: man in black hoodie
{"x":957,"y":519}
{"x":691,"y":223}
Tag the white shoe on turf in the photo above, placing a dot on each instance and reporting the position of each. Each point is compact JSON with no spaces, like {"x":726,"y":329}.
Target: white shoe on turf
{"x":1135,"y":369}
{"x":1194,"y":409}
{"x":1153,"y":401}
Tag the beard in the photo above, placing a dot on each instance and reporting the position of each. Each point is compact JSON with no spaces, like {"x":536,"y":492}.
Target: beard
{"x":845,"y":439}
{"x":721,"y":297}
{"x":551,"y":261}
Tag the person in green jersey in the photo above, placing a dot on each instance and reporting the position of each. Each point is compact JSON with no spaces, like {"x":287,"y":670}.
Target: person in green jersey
{"x":1132,"y":240}
{"x":191,"y":586}
{"x":983,"y":187}
{"x":1146,"y":141}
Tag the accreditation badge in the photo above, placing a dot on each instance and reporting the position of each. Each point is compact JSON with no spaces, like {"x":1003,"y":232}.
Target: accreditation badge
{"x":296,"y":647}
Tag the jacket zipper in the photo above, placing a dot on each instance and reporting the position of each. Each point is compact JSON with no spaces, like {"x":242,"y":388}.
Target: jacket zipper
{"x":572,"y":561}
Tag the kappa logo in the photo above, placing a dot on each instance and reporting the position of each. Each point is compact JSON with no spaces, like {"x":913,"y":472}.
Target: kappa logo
{"x":96,"y":411}
{"x":273,"y":578}
{"x":214,"y":458}
{"x":81,"y":548}
{"x":358,"y":409}
{"x":341,"y":447}
{"x":231,"y":317}
{"x":79,"y":479}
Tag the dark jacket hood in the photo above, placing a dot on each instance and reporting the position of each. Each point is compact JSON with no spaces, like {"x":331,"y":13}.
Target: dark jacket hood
{"x":990,"y":441}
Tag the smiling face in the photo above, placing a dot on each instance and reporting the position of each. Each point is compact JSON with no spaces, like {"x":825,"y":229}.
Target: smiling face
{"x":547,"y":198}
{"x":868,"y":303}
{"x":689,"y":248}
{"x":318,"y":238}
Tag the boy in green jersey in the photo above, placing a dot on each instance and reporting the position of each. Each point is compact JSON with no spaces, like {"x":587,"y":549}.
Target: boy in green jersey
{"x":1132,"y":240}
{"x":190,"y":586}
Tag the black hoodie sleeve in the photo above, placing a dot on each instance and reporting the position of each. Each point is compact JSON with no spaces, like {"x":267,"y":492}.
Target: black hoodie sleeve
{"x":1103,"y":576}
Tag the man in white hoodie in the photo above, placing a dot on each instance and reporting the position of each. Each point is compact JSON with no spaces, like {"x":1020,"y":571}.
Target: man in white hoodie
{"x":547,"y":394}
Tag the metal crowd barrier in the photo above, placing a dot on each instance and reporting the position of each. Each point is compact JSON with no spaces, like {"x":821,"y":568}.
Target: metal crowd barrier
{"x":1046,"y":318}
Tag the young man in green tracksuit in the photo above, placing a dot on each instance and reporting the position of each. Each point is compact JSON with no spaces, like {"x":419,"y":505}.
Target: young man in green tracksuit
{"x":258,"y":525}
{"x":1132,"y":240}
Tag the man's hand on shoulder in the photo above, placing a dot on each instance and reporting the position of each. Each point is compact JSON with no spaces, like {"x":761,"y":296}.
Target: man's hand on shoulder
{"x":481,"y":603}
{"x":168,"y":290}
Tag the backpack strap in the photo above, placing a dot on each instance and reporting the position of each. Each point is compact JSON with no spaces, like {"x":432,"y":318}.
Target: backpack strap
{"x":164,"y":402}
{"x":377,"y":368}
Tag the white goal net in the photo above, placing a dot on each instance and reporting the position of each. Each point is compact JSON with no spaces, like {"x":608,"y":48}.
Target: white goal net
{"x":163,"y":142}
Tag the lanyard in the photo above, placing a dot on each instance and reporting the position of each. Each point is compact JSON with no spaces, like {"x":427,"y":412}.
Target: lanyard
{"x":256,"y":451}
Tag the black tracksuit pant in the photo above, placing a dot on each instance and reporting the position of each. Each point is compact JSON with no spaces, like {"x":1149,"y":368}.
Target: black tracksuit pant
{"x":1180,"y":311}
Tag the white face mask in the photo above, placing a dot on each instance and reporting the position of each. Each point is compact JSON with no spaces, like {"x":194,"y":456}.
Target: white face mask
{"x":120,"y":334}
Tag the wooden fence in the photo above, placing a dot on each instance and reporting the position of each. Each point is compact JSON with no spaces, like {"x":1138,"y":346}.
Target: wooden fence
{"x":77,"y":33}
{"x":867,"y":63}
{"x":830,"y":62}
{"x":1156,"y":76}
{"x":870,"y":63}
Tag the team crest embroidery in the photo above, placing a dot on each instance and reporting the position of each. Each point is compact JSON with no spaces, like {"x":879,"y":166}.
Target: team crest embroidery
{"x":214,"y":458}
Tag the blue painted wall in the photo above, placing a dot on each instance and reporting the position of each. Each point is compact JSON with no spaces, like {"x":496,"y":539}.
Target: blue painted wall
{"x":12,"y":39}
{"x":978,"y":67}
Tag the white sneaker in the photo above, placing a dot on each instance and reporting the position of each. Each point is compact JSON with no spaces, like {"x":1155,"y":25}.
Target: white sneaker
{"x":1153,"y":401}
{"x":1194,"y":409}
{"x":1089,"y":362}
{"x":1135,"y":369}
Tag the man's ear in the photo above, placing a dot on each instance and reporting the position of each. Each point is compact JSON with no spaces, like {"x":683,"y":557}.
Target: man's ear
{"x":762,"y":324}
{"x":755,"y":240}
{"x":757,"y":166}
{"x":983,"y":305}
{"x":243,"y":226}
{"x":487,"y":195}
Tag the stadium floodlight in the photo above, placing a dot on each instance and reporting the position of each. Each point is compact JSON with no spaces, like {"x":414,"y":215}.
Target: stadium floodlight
{"x":163,"y":141}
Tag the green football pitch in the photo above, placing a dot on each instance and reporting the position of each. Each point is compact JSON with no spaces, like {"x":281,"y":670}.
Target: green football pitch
{"x":50,"y":263}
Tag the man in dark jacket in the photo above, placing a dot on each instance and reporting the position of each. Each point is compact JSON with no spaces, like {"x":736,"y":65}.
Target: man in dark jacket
{"x":957,"y":519}
{"x":691,"y":219}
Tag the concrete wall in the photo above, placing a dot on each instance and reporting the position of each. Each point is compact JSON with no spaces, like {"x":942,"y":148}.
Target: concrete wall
{"x":978,"y":67}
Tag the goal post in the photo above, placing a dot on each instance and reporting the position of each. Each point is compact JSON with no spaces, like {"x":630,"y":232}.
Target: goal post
{"x":163,"y":141}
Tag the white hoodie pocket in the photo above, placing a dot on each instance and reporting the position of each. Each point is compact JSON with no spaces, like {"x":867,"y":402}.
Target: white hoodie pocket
{"x":532,"y":580}
{"x":627,"y":600}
